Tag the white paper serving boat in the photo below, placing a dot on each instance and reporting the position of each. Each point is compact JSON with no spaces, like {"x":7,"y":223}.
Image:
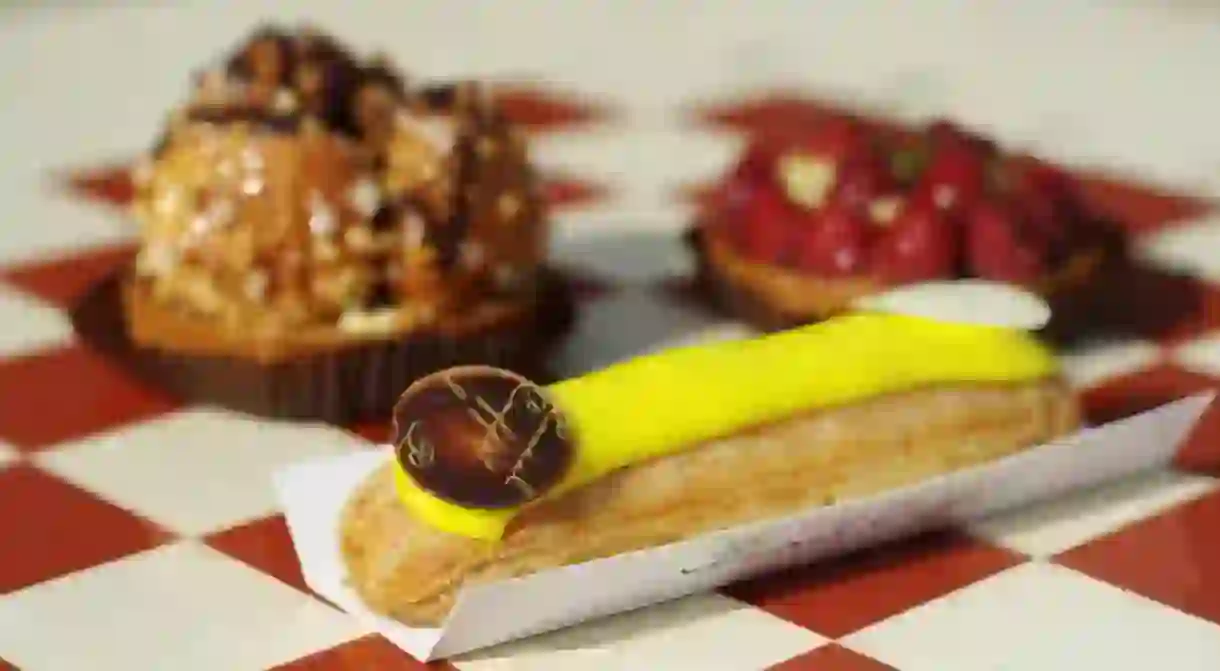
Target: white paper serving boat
{"x":313,"y":493}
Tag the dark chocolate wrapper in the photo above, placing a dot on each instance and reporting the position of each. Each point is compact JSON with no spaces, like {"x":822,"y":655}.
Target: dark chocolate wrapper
{"x":1122,"y":298}
{"x":362,"y":381}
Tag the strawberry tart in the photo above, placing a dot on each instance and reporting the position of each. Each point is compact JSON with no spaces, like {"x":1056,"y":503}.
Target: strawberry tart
{"x":802,"y":226}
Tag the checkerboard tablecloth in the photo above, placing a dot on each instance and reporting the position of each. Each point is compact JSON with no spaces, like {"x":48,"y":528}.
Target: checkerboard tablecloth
{"x":139,"y":533}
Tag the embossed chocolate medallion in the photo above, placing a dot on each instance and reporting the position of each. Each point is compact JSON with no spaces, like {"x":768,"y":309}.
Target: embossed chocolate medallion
{"x":481,"y":437}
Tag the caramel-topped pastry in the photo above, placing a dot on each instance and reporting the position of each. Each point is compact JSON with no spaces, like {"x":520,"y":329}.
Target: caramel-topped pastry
{"x":303,"y":195}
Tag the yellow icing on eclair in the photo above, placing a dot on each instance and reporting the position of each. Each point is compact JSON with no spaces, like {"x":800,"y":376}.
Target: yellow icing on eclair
{"x":662,"y":403}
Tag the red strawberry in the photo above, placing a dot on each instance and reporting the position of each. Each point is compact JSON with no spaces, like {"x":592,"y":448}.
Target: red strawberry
{"x":954,"y":178}
{"x":837,"y":140}
{"x":1001,"y":247}
{"x":943,"y":130}
{"x":919,"y":245}
{"x":942,"y":133}
{"x":834,"y":242}
{"x":765,"y":232}
{"x":860,"y":182}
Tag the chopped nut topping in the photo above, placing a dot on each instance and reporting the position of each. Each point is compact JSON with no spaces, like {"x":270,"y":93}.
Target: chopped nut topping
{"x":365,"y":197}
{"x":285,"y":101}
{"x":322,"y":219}
{"x":439,"y":131}
{"x":325,"y":251}
{"x":414,"y":230}
{"x":169,"y":202}
{"x":252,"y":186}
{"x":472,"y":254}
{"x":487,"y":147}
{"x":256,"y":286}
{"x":156,"y":260}
{"x":506,"y":277}
{"x":372,"y":322}
{"x":358,"y":239}
{"x":509,"y":205}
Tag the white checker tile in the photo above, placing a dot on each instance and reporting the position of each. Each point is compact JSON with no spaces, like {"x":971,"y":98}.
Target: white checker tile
{"x":181,"y":607}
{"x":1050,"y":528}
{"x":29,"y":324}
{"x":1042,"y":616}
{"x":616,"y":244}
{"x":1201,"y":355}
{"x":1092,"y":363}
{"x":54,"y":222}
{"x":629,"y":322}
{"x":1190,"y":248}
{"x":719,"y":332}
{"x":658,"y":159}
{"x":8,"y":455}
{"x":194,"y":471}
{"x":600,"y":154}
{"x":707,"y":632}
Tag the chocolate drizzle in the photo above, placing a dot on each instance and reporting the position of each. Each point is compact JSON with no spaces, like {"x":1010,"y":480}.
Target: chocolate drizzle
{"x":448,"y":238}
{"x":438,"y":97}
{"x":481,"y":437}
{"x":269,"y":53}
{"x":322,"y":78}
{"x":259,"y":117}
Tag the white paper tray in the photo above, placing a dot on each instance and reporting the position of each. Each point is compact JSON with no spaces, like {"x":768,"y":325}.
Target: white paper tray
{"x":312,"y":495}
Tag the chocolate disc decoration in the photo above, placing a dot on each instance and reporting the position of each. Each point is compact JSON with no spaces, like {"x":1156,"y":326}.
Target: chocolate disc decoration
{"x":481,"y":437}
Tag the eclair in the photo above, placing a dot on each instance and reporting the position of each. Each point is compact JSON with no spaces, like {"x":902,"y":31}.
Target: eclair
{"x":495,"y":477}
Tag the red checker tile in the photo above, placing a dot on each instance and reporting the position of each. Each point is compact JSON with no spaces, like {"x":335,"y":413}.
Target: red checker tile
{"x":362,"y":654}
{"x":838,"y":597}
{"x":62,"y":280}
{"x":778,"y":111}
{"x":1164,"y":306}
{"x":265,"y":545}
{"x":564,"y":192}
{"x":375,"y":432}
{"x":1204,"y":316}
{"x":110,"y":184}
{"x":49,"y":528}
{"x":831,"y":657}
{"x":1139,"y":208}
{"x":539,"y":107}
{"x":1144,"y":390}
{"x":67,"y":393}
{"x":1173,"y":558}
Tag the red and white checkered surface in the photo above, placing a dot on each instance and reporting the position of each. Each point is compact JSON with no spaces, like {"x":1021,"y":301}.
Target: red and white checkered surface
{"x":139,"y":533}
